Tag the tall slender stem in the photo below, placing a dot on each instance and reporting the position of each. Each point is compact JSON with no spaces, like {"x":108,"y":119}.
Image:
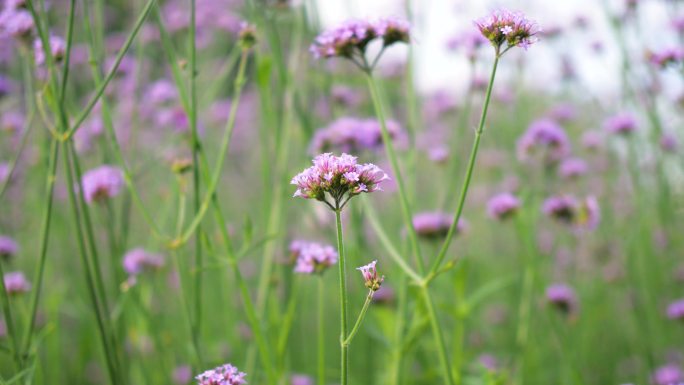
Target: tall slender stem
{"x":321,"y":331}
{"x":343,"y":301}
{"x":438,"y":336}
{"x":359,"y":320}
{"x":469,"y":172}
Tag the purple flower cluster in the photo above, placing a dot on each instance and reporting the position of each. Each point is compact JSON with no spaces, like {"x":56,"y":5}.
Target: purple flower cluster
{"x":223,"y":375}
{"x":511,"y":28}
{"x":16,"y":21}
{"x":469,"y":41}
{"x":562,"y":296}
{"x":435,"y":224}
{"x":668,"y":142}
{"x":102,"y":183}
{"x":352,"y":37}
{"x":544,"y":136}
{"x":572,"y":168}
{"x":354,"y":135}
{"x":8,"y":247}
{"x":503,"y":206}
{"x":57,"y":49}
{"x":675,"y":311}
{"x":16,"y":283}
{"x":667,"y":375}
{"x":338,"y":176}
{"x":312,"y":257}
{"x":622,"y":123}
{"x":666,"y":57}
{"x":582,"y":214}
{"x":138,"y":260}
{"x":370,"y":275}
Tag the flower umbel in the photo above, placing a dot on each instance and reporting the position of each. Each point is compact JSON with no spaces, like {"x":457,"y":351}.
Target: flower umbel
{"x":223,"y":375}
{"x":340,"y":177}
{"x":370,"y":275}
{"x":102,"y":183}
{"x":509,"y":28}
{"x":312,"y":257}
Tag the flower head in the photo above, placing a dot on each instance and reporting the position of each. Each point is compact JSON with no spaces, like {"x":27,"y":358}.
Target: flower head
{"x":503,"y":206}
{"x":16,"y":283}
{"x":370,"y":276}
{"x":182,"y":374}
{"x":8,"y":247}
{"x":301,"y":379}
{"x":562,"y":208}
{"x":622,"y":123}
{"x":312,"y":257}
{"x":668,"y":142}
{"x":509,"y":28}
{"x":350,"y":134}
{"x":139,"y":260}
{"x":544,"y":136}
{"x":436,"y":224}
{"x":667,"y":375}
{"x":223,"y":375}
{"x":666,"y":57}
{"x":562,"y":297}
{"x":57,"y":49}
{"x":247,"y":35}
{"x":339,"y":177}
{"x":572,"y":168}
{"x":351,"y":38}
{"x":17,"y":23}
{"x":102,"y":183}
{"x":469,"y":41}
{"x":675,"y":311}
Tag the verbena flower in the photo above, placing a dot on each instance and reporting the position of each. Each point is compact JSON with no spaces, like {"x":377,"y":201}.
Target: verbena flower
{"x":469,"y":41}
{"x":138,"y":260}
{"x":503,"y":206}
{"x":350,"y":134}
{"x":102,"y":183}
{"x":351,"y":38}
{"x":17,"y":23}
{"x":582,"y":214}
{"x":370,"y":276}
{"x":667,"y":375}
{"x":562,"y":297}
{"x":247,"y":35}
{"x":572,"y":168}
{"x":182,"y":374}
{"x":339,"y":177}
{"x":312,"y":257}
{"x":669,"y":142}
{"x":435,"y":224}
{"x":222,"y":375}
{"x":508,"y":28}
{"x":666,"y":57}
{"x":623,"y":123}
{"x":57,"y":48}
{"x":16,"y":283}
{"x":592,"y":140}
{"x":675,"y":311}
{"x":546,"y":137}
{"x":8,"y":247}
{"x":301,"y":379}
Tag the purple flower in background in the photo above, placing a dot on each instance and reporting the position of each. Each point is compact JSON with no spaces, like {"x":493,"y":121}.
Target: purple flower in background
{"x":667,"y":375}
{"x":12,"y":121}
{"x":666,"y":57}
{"x":562,"y":297}
{"x":622,"y":123}
{"x":338,"y":176}
{"x":350,"y":39}
{"x":469,"y":41}
{"x":160,"y":92}
{"x":312,"y":257}
{"x":5,"y":172}
{"x":370,"y":276}
{"x":301,"y":379}
{"x":16,"y":283}
{"x":563,"y":112}
{"x":675,"y":311}
{"x":488,"y":361}
{"x":544,"y":136}
{"x":572,"y":168}
{"x":138,"y":260}
{"x":17,"y":23}
{"x":511,"y":28}
{"x":182,"y":374}
{"x":102,"y":183}
{"x":57,"y":48}
{"x":592,"y":140}
{"x":668,"y":142}
{"x":8,"y":247}
{"x":563,"y":208}
{"x":503,"y":206}
{"x":6,"y":86}
{"x":223,"y":375}
{"x":345,"y":96}
{"x":435,"y":224}
{"x":354,"y":135}
{"x":588,"y":214}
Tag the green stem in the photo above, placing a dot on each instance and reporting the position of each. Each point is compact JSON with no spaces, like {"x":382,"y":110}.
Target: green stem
{"x":343,"y":300}
{"x":389,"y":148}
{"x":438,"y":336}
{"x":469,"y":172}
{"x":321,"y":331}
{"x":359,"y":320}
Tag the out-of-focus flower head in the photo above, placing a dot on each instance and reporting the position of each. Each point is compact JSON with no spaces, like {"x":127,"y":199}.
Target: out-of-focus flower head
{"x":301,"y":379}
{"x":102,"y":183}
{"x":562,"y":297}
{"x":351,"y":38}
{"x":345,"y":96}
{"x":223,"y":375}
{"x":353,"y":135}
{"x":12,"y":121}
{"x":582,"y":214}
{"x":17,"y":23}
{"x":139,"y":260}
{"x":469,"y":41}
{"x":340,"y":177}
{"x":370,"y":275}
{"x":247,"y":36}
{"x":57,"y":49}
{"x":16,"y":283}
{"x":509,"y":28}
{"x":592,"y":140}
{"x":668,"y":142}
{"x":8,"y":247}
{"x":667,"y":375}
{"x":503,"y":206}
{"x":622,"y":123}
{"x":546,"y":137}
{"x":572,"y":168}
{"x":436,"y":224}
{"x":182,"y":374}
{"x":563,"y":112}
{"x":675,"y":310}
{"x":666,"y":57}
{"x":312,"y":257}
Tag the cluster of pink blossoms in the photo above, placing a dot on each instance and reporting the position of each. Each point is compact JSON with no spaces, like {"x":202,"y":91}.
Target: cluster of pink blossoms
{"x":338,"y":176}
{"x":503,"y":206}
{"x":102,"y":183}
{"x":352,"y":37}
{"x":372,"y":280}
{"x":138,"y":260}
{"x":312,"y":257}
{"x":582,"y":214}
{"x":223,"y":375}
{"x":511,"y":28}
